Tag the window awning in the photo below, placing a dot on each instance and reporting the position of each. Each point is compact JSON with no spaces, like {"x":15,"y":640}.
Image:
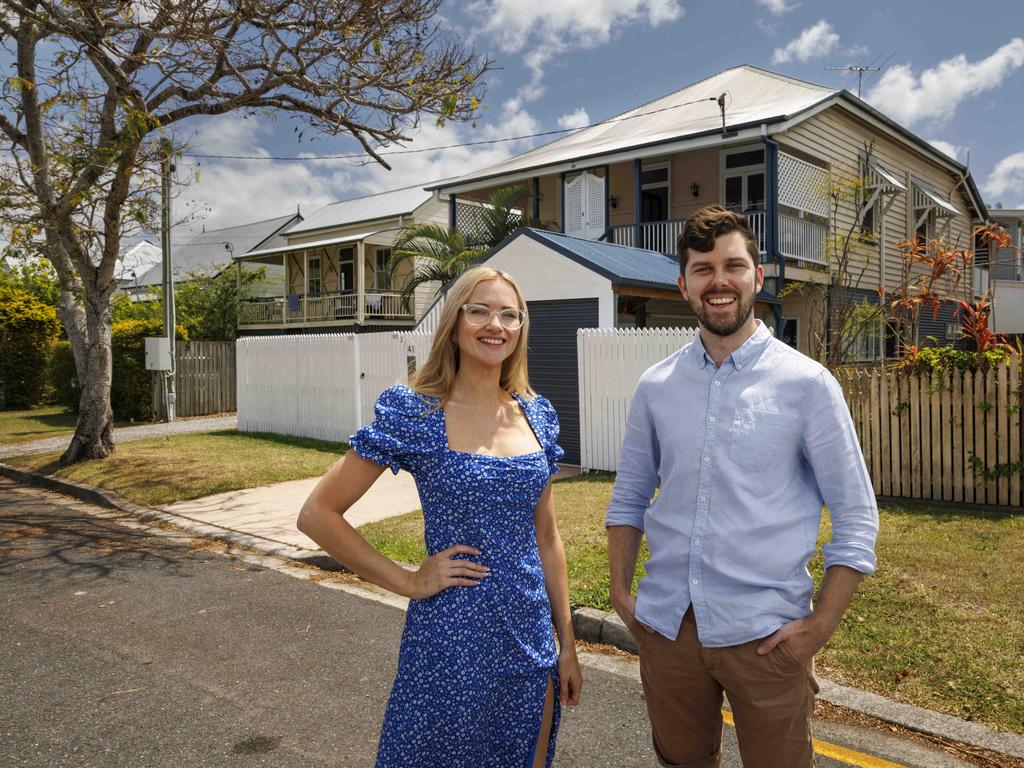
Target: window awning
{"x":885,"y":177}
{"x":315,"y":244}
{"x":932,"y":197}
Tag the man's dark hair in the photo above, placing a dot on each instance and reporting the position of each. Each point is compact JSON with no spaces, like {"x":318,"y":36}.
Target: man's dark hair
{"x":709,"y":223}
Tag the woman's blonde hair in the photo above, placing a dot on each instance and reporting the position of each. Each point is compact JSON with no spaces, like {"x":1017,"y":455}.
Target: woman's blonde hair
{"x":436,"y":376}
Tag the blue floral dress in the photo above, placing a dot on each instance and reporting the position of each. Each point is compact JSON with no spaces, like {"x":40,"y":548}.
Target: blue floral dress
{"x":474,"y":661}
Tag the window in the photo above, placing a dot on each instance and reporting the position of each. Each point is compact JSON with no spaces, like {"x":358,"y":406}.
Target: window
{"x":314,"y":284}
{"x":654,"y":192}
{"x":791,"y":331}
{"x":346,"y":259}
{"x":381,"y":279}
{"x":743,"y":180}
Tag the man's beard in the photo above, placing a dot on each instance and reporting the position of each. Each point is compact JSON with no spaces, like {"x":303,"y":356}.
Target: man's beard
{"x":725,"y":326}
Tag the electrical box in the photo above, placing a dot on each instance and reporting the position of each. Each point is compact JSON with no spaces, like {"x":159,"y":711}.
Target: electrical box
{"x":158,"y":353}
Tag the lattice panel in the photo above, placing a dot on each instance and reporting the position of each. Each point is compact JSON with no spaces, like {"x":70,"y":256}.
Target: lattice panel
{"x":803,"y":186}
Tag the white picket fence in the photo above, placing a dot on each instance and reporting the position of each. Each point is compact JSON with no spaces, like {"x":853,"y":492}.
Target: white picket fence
{"x":320,"y":385}
{"x":611,"y":361}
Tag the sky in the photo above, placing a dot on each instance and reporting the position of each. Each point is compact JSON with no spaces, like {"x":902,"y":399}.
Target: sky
{"x":953,"y":74}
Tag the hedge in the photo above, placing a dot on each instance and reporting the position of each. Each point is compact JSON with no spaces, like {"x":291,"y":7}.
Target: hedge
{"x":131,"y":392}
{"x":28,"y":331}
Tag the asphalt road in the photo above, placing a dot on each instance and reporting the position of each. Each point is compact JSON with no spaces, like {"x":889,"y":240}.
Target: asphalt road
{"x":125,"y":648}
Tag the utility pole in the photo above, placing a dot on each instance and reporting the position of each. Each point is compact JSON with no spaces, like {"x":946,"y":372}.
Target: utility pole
{"x":860,"y":73}
{"x":166,"y":169}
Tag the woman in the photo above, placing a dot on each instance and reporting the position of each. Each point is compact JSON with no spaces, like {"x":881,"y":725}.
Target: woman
{"x":478,"y":670}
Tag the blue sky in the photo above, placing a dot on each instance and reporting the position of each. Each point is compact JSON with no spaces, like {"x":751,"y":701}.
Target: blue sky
{"x":954,"y":74}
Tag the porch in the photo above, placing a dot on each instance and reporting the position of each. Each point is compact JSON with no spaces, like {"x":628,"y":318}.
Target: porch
{"x":337,"y":307}
{"x":341,"y":281}
{"x":645,"y":203}
{"x":799,"y":239}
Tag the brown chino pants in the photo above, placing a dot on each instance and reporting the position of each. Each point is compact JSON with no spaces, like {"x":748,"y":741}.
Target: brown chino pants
{"x":772,"y":699}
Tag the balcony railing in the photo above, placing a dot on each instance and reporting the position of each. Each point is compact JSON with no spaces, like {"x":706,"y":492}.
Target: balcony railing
{"x":324,"y":307}
{"x":654,"y":235}
{"x":799,"y":239}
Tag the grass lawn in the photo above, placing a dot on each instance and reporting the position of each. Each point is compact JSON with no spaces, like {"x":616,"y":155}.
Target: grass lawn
{"x":35,"y":424}
{"x":939,"y":625}
{"x":179,"y":467}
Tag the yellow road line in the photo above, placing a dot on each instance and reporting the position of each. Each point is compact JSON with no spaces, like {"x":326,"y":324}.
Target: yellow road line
{"x":827,"y":749}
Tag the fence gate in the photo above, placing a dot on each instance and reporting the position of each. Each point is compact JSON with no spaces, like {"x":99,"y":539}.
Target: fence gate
{"x":204,"y":379}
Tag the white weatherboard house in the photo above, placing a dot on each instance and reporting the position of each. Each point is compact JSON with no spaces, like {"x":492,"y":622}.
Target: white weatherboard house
{"x":772,"y":147}
{"x":334,"y":265}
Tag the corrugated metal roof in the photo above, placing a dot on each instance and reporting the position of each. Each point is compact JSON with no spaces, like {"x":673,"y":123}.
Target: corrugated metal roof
{"x":314,"y":244}
{"x":206,"y":252}
{"x":619,"y":263}
{"x":398,"y":202}
{"x":753,"y":96}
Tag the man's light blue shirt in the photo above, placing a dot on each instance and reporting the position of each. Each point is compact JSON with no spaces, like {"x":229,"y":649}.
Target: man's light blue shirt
{"x":744,"y":455}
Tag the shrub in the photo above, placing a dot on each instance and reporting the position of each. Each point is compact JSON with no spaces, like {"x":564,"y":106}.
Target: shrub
{"x":938,"y":359}
{"x":131,"y":391}
{"x":28,"y":330}
{"x":63,"y":375}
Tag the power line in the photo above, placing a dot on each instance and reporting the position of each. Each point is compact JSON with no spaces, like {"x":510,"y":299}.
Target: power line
{"x":482,"y":142}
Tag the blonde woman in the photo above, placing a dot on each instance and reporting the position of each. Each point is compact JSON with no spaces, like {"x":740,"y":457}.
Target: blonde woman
{"x":479,"y":680}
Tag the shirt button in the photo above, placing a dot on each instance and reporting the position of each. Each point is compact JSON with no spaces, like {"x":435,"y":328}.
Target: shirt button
{"x":696,"y":542}
{"x":711,"y":419}
{"x":718,"y":383}
{"x":703,"y":498}
{"x":739,"y":365}
{"x":707,"y":459}
{"x":696,"y":581}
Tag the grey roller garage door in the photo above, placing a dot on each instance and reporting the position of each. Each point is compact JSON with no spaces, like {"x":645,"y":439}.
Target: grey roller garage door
{"x":552,"y":361}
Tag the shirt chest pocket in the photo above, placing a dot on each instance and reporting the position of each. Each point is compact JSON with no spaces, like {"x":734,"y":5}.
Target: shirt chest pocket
{"x":758,"y":438}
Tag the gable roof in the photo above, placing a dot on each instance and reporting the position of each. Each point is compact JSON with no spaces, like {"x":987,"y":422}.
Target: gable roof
{"x":206,"y":253}
{"x":383,"y":205}
{"x":621,"y":264}
{"x":755,"y":96}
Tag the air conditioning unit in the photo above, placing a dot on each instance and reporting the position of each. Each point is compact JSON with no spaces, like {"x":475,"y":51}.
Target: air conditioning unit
{"x":953,"y":331}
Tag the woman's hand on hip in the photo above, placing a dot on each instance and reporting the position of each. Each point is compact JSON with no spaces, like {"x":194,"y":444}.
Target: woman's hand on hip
{"x":440,"y":571}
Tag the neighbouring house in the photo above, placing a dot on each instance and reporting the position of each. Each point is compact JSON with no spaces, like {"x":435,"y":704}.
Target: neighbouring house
{"x":134,"y":262}
{"x":211,"y":251}
{"x":776,"y":148}
{"x":1004,"y":267}
{"x":335,"y":268}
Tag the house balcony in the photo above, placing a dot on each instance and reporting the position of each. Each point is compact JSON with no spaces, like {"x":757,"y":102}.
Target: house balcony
{"x":324,"y":309}
{"x":800,"y":239}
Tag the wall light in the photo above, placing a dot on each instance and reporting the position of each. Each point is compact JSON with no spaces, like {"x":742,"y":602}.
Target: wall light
{"x":613,"y":202}
{"x":694,"y":189}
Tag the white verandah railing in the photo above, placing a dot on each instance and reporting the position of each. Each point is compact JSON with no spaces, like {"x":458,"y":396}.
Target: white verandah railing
{"x":800,"y":239}
{"x":335,"y":305}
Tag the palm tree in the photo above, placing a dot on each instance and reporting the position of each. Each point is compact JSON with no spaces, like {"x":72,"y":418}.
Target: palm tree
{"x":440,"y":254}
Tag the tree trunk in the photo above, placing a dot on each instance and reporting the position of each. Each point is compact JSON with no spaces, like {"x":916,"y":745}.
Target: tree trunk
{"x":94,"y":438}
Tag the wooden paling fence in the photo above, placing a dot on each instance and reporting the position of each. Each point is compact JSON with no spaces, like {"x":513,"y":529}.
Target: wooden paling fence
{"x":204,"y":379}
{"x":951,"y":436}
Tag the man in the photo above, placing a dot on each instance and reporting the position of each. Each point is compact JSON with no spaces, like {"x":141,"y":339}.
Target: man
{"x":745,"y":437}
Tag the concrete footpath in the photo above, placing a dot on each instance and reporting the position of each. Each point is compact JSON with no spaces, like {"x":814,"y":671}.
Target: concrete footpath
{"x":264,"y":519}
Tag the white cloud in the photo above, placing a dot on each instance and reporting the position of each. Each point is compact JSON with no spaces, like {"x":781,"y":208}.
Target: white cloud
{"x":545,"y":30}
{"x":1007,"y":180}
{"x":778,"y":7}
{"x":577,"y":119}
{"x":231,"y":192}
{"x":814,"y":42}
{"x":956,"y":151}
{"x":937,"y":92}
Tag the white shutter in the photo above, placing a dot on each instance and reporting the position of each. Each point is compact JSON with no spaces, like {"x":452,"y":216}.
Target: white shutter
{"x":575,"y":223}
{"x":595,"y":206}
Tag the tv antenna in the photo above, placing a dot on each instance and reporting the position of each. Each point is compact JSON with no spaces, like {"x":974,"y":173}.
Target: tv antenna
{"x":860,"y":70}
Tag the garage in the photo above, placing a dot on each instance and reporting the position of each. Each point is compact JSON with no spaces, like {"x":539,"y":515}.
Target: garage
{"x":552,"y":361}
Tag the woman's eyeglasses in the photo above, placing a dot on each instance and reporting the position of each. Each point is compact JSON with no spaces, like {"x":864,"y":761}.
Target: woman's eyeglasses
{"x":480,"y":315}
